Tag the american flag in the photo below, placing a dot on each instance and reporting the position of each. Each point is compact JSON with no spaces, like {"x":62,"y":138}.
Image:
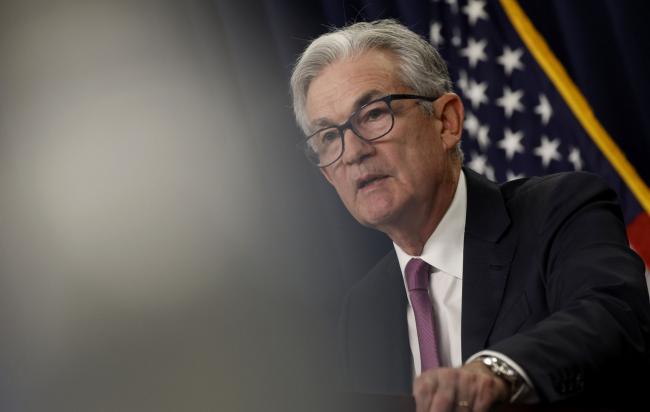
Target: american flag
{"x":516,"y":122}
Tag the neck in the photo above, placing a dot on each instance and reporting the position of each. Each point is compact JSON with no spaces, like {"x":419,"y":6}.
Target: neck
{"x":412,"y":234}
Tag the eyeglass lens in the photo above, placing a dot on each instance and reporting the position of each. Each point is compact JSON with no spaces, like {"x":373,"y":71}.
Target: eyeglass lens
{"x":371,"y":122}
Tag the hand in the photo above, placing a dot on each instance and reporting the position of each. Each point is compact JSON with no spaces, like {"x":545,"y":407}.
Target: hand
{"x":473,"y":387}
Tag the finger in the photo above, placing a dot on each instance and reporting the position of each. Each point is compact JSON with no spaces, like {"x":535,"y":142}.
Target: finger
{"x":485,"y":394}
{"x":424,"y":387}
{"x":445,"y":396}
{"x":466,"y":392}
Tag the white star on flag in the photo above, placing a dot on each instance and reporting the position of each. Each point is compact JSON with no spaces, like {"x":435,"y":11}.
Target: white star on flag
{"x":471,"y":124}
{"x":436,"y":34}
{"x":511,"y":101}
{"x":489,"y":172}
{"x":544,"y":109}
{"x":510,"y":60}
{"x":511,"y":143}
{"x":462,"y":81}
{"x":575,"y":159}
{"x":475,"y":51}
{"x":547,"y":150}
{"x":475,"y":10}
{"x":476,"y":93}
{"x":482,"y":136}
{"x":480,"y":165}
{"x":456,"y":39}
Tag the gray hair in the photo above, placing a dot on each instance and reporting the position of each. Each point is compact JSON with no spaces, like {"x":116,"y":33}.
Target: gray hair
{"x":421,"y":67}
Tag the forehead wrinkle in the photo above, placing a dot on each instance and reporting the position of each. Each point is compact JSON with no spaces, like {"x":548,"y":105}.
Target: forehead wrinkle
{"x":370,"y":75}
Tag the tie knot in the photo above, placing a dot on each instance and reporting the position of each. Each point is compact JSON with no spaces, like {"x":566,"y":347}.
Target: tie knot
{"x":417,"y":274}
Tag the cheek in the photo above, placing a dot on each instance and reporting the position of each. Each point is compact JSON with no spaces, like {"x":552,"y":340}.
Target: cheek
{"x":416,"y":170}
{"x":342,"y":186}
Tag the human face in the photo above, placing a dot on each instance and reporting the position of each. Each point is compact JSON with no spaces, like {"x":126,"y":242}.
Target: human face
{"x":395,"y":180}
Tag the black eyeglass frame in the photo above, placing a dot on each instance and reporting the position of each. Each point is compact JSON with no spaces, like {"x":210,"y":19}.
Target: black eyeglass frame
{"x":348,"y":123}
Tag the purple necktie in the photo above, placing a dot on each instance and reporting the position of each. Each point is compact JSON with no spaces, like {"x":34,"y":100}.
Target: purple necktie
{"x":417,"y":281}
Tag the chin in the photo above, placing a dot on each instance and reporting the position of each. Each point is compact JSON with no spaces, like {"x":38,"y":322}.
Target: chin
{"x":376,"y":210}
{"x":375,"y":218}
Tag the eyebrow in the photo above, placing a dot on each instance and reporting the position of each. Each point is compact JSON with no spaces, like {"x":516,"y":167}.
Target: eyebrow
{"x":365,"y":98}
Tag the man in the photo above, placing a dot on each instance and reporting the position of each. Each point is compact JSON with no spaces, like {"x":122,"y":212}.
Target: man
{"x":522,"y":292}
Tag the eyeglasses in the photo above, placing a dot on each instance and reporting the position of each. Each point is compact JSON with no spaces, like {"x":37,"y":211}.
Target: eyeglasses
{"x":370,"y":122}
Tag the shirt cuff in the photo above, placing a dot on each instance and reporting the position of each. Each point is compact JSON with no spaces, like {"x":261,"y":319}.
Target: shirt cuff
{"x":527,"y":393}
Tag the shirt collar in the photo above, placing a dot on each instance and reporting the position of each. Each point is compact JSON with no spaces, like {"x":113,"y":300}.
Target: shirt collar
{"x":444,"y":248}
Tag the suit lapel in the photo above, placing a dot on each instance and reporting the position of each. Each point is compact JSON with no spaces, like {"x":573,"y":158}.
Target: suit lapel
{"x":486,"y":261}
{"x":388,"y":345}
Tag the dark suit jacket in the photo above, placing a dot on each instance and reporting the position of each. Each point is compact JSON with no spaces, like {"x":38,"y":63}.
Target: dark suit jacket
{"x":548,"y":280}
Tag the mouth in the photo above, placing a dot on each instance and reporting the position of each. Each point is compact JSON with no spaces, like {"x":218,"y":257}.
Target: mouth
{"x":369,"y":181}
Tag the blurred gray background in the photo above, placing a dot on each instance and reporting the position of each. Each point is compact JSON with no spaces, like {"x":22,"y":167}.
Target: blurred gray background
{"x":157,"y":247}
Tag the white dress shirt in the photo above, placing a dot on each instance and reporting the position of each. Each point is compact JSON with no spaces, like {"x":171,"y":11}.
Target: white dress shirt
{"x":444,"y":252}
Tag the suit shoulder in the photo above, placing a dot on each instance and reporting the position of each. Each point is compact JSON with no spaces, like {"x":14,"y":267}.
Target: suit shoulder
{"x":565,"y":184}
{"x":552,"y":197}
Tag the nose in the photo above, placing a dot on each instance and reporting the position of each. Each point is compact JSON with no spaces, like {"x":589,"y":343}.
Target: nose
{"x":356,"y":149}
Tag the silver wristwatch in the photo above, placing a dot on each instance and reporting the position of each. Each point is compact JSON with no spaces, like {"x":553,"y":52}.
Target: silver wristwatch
{"x":507,"y":373}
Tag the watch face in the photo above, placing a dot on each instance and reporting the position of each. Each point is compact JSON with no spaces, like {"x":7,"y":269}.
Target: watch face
{"x":500,"y":368}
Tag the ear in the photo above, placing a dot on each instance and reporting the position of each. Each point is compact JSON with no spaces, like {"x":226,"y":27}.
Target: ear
{"x":449,"y":110}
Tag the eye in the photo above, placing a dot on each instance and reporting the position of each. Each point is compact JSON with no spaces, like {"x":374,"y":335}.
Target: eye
{"x":373,"y":114}
{"x":329,"y":135}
